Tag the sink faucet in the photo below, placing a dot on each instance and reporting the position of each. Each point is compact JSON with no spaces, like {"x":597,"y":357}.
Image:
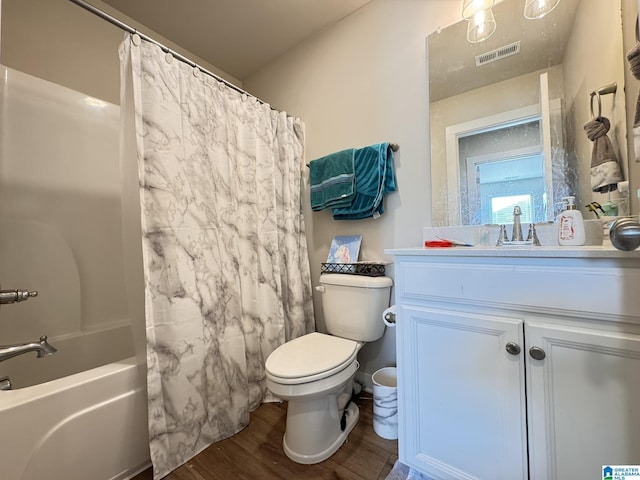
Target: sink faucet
{"x":42,"y":348}
{"x":516,"y":235}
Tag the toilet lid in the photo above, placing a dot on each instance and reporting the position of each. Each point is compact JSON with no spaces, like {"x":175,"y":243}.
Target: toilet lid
{"x":311,"y":355}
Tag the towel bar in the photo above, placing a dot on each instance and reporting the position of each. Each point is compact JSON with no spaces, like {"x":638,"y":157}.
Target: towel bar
{"x":394,"y":148}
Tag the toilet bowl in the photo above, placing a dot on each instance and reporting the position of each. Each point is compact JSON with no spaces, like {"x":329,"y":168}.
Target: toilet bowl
{"x":315,"y":372}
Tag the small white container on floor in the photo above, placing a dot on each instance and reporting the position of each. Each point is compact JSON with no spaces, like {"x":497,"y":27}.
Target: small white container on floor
{"x":385,"y":403}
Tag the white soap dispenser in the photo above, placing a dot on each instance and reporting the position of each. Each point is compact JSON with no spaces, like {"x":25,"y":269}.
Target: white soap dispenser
{"x":571,"y":224}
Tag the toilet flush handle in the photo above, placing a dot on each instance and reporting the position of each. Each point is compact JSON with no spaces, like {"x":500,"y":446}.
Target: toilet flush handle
{"x":320,"y":288}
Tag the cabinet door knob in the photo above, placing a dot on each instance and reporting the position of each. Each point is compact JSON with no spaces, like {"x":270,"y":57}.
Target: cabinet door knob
{"x":513,"y":348}
{"x":537,"y":353}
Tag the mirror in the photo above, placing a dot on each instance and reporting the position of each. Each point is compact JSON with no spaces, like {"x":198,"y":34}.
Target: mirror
{"x":507,"y":114}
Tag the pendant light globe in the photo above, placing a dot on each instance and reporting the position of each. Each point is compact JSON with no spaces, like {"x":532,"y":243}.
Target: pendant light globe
{"x":534,"y":9}
{"x":471,"y":7}
{"x":481,"y":26}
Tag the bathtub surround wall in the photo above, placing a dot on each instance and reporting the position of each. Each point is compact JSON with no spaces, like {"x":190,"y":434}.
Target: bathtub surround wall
{"x":61,"y":228}
{"x":224,"y":249}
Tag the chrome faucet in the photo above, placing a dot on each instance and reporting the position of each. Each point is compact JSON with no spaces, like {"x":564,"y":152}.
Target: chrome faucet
{"x":516,"y":235}
{"x":42,"y":348}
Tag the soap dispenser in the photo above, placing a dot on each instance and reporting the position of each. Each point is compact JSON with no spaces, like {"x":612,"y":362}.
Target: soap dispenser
{"x":571,"y":224}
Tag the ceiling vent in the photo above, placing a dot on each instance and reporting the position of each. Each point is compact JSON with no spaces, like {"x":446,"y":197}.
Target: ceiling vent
{"x":498,"y":53}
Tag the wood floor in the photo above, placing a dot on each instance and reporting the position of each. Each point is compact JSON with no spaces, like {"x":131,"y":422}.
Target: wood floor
{"x":256,"y":453}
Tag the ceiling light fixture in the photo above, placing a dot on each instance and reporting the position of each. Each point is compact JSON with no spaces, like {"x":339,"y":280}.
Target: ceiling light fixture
{"x":481,"y":26}
{"x":471,"y":7}
{"x":534,"y":9}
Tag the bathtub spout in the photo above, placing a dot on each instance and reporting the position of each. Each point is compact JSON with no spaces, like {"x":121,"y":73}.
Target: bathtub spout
{"x":5,"y":384}
{"x":42,"y":348}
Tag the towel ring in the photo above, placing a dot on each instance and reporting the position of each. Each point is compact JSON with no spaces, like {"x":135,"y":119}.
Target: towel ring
{"x":604,"y":90}
{"x":596,"y":94}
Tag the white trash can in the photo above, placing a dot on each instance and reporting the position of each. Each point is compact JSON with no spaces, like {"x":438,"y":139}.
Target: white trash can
{"x":385,"y":402}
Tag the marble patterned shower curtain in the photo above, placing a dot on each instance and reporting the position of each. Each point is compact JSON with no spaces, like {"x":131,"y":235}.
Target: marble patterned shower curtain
{"x":226,"y":269}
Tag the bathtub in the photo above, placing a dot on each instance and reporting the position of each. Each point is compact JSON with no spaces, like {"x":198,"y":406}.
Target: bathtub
{"x":89,"y":425}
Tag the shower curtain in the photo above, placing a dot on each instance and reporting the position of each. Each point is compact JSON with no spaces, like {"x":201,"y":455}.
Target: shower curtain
{"x":226,"y":270}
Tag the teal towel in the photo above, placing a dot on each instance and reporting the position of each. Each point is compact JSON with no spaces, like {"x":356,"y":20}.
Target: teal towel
{"x":375,"y":178}
{"x":332,"y":180}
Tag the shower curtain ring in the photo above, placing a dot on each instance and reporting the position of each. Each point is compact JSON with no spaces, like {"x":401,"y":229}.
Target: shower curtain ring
{"x":596,"y":94}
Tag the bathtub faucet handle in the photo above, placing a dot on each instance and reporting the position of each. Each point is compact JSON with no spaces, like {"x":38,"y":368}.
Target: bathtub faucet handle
{"x":14,"y":296}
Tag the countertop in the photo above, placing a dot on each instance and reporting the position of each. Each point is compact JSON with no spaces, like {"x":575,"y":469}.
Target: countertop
{"x":518,"y":252}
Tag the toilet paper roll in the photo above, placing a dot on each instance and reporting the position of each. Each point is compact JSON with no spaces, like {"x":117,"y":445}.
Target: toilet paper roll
{"x":389,"y":316}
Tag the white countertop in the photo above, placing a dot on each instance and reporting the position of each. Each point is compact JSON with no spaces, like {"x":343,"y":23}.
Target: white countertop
{"x":540,"y":252}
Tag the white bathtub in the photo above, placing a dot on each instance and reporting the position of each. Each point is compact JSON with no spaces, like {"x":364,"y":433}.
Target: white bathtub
{"x":87,"y":426}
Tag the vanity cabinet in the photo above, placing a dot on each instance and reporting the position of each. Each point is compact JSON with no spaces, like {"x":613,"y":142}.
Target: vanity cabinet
{"x":582,"y":398}
{"x":518,"y":367}
{"x":462,"y":401}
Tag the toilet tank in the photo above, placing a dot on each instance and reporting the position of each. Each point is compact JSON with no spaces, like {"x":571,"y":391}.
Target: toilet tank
{"x":353,"y":305}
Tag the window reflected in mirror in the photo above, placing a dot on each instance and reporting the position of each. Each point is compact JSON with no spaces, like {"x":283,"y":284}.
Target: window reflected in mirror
{"x":496,"y":176}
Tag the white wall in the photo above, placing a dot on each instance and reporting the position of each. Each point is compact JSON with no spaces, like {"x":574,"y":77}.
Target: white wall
{"x":364,"y":81}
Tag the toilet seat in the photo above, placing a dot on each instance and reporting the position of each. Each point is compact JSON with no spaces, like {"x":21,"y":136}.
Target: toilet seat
{"x":309,"y":358}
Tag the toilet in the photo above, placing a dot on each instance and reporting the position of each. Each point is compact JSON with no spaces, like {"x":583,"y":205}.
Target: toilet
{"x":315,"y":372}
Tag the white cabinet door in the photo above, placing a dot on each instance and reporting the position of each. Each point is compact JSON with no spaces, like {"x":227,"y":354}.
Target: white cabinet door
{"x":584,"y":401}
{"x":461,"y":394}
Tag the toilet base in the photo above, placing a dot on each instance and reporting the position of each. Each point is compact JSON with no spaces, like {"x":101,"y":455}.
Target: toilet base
{"x":298,"y":456}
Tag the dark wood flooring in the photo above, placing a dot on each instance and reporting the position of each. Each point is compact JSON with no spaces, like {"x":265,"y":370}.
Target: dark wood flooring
{"x":256,"y":453}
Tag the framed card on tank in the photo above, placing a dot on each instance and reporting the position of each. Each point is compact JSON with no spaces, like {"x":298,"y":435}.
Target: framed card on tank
{"x":344,"y":249}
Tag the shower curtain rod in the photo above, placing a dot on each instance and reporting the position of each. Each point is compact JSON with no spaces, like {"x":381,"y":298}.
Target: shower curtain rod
{"x":130,"y":29}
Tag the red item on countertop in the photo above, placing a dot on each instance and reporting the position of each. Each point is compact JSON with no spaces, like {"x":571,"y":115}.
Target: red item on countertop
{"x":438,"y":243}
